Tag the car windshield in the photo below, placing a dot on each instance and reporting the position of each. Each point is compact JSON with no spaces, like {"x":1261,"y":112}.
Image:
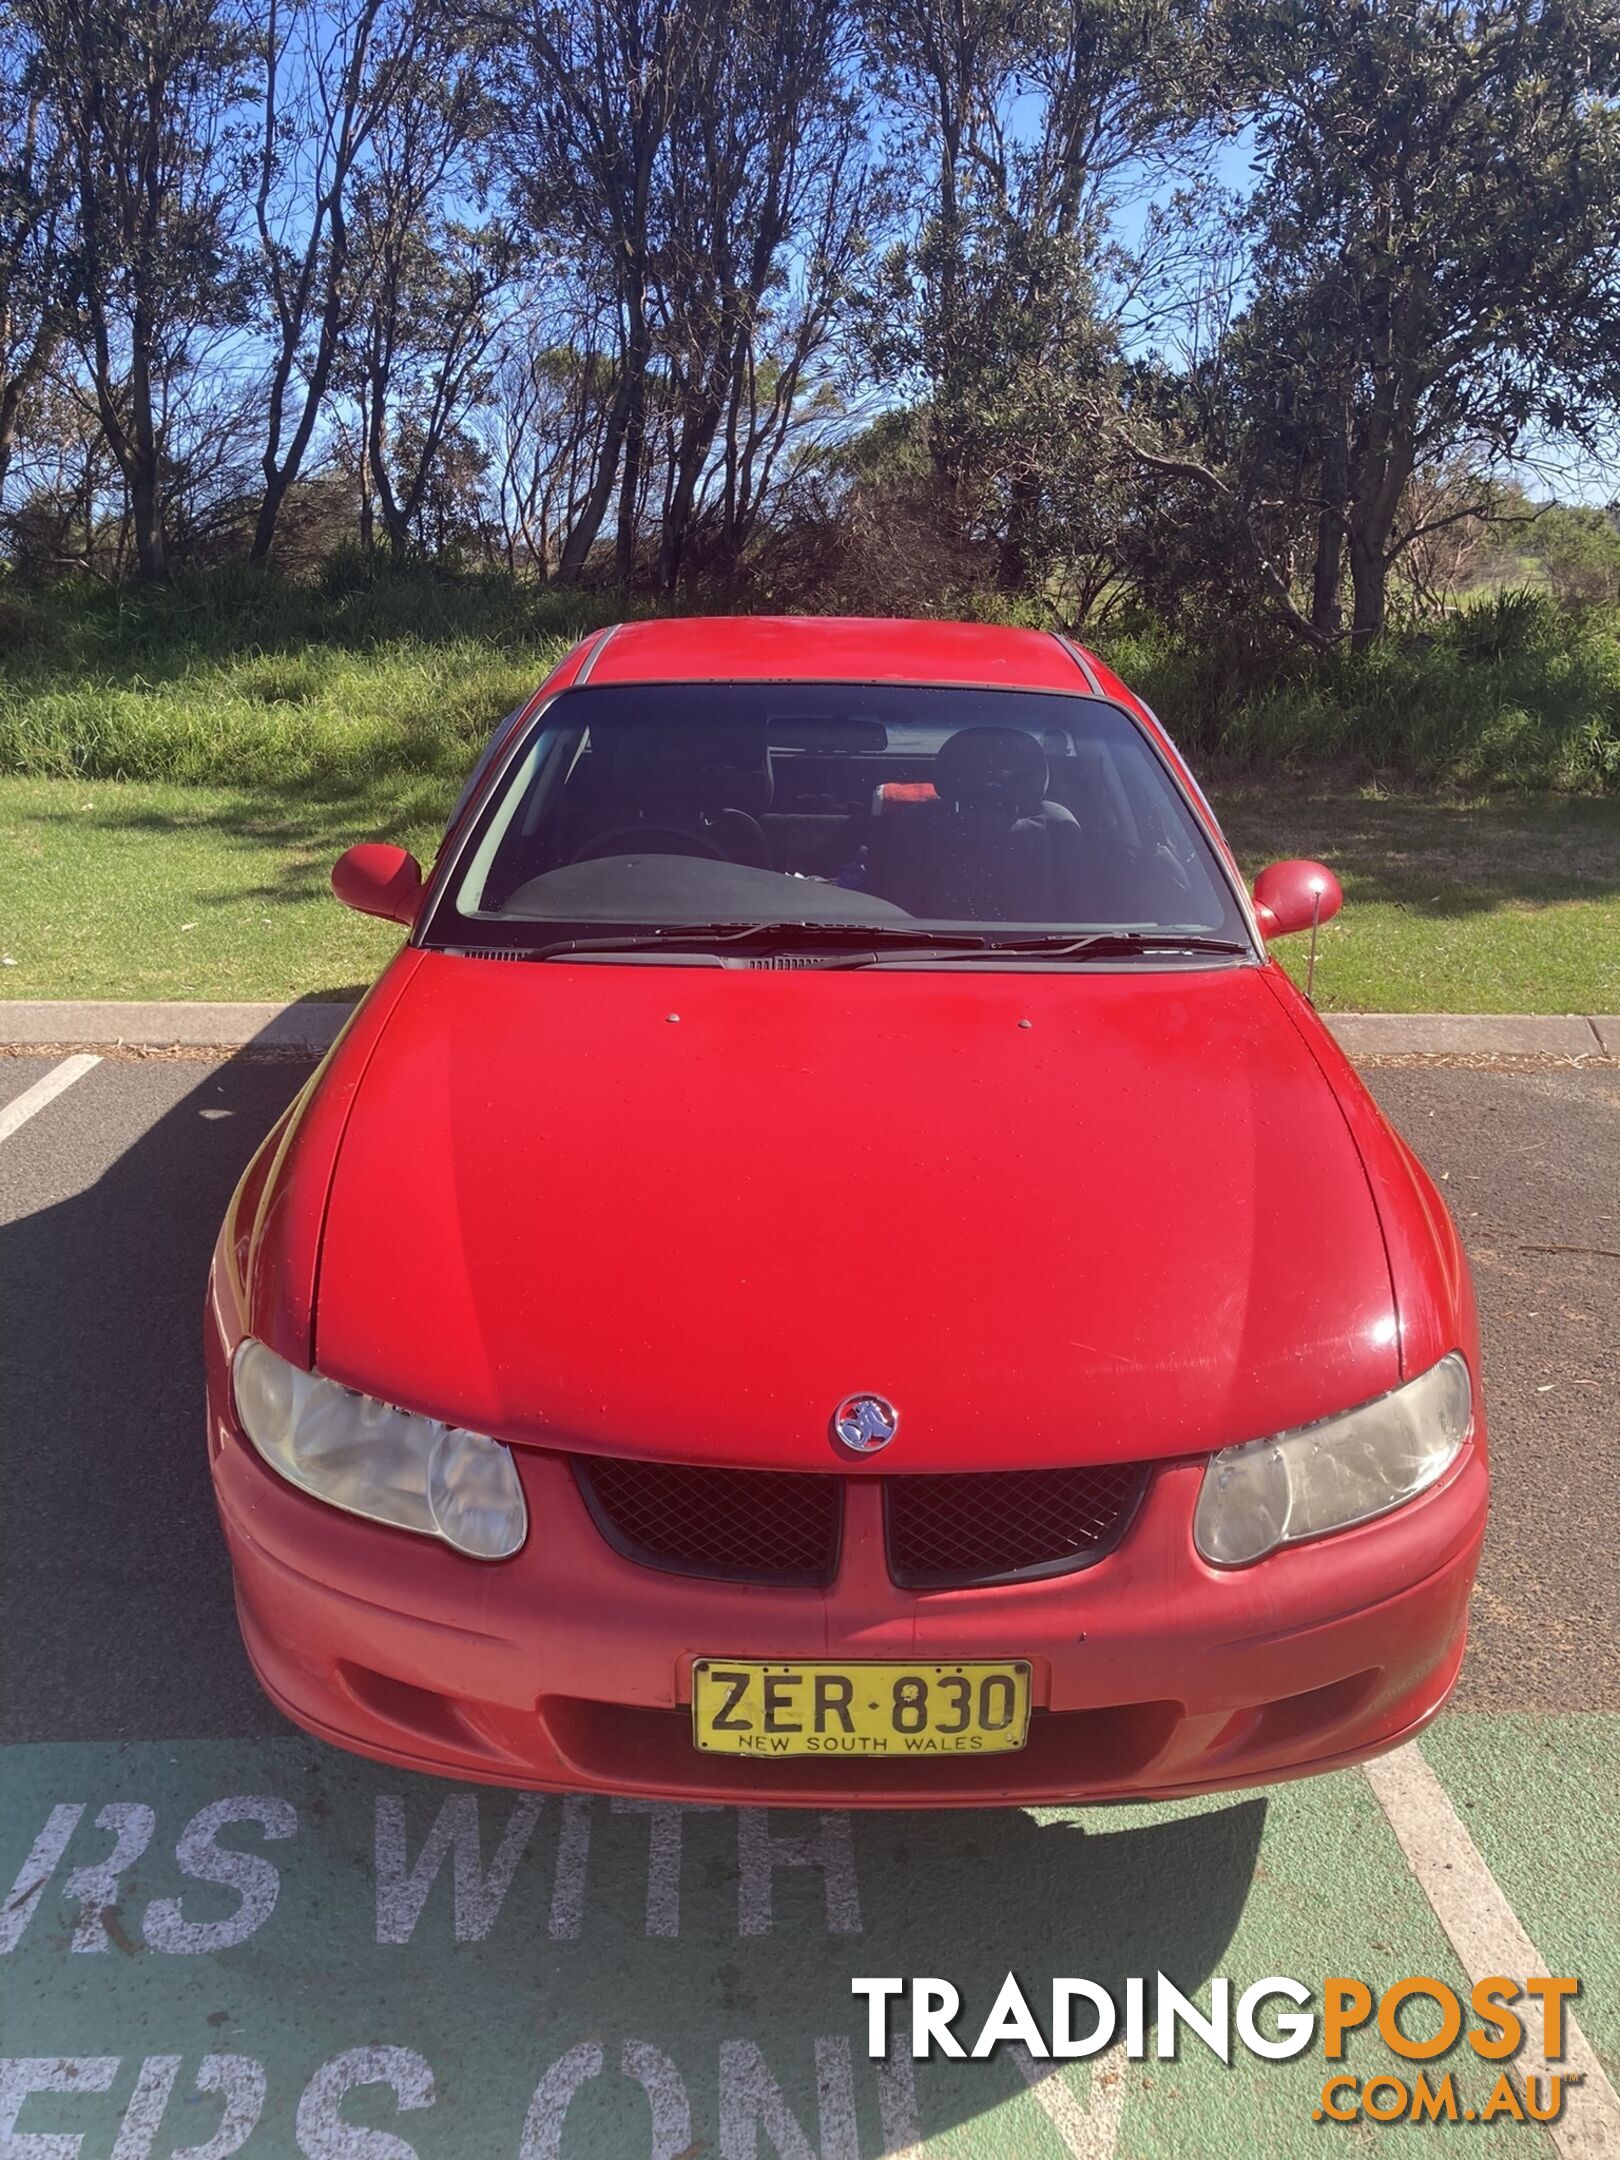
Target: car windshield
{"x":652,"y":815}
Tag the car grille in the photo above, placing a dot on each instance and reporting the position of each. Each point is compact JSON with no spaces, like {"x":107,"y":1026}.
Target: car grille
{"x":742,"y":1525}
{"x":777,"y":1526}
{"x":1006,"y":1525}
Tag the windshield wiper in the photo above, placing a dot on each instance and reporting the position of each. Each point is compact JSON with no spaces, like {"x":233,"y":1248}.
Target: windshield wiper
{"x":846,"y":943}
{"x":1098,"y":945}
{"x":1106,"y":942}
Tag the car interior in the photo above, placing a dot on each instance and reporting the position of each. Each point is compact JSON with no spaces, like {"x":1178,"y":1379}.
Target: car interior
{"x":1033,"y":819}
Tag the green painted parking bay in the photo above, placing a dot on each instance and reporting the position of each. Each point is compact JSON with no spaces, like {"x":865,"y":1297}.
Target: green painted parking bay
{"x":1541,"y":1799}
{"x":268,"y":1947}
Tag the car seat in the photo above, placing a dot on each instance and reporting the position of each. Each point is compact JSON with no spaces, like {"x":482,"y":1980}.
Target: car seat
{"x":989,"y":847}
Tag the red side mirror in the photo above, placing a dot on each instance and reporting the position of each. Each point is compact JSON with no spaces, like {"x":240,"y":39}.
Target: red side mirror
{"x":379,"y":880}
{"x":1292,"y":895}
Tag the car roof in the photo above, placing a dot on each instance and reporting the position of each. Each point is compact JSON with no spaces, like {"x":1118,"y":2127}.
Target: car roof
{"x":833,"y":648}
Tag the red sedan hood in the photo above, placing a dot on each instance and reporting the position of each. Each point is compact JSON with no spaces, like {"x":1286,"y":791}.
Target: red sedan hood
{"x":682,"y":1212}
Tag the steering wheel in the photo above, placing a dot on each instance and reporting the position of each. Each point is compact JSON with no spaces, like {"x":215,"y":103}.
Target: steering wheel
{"x":649,"y":840}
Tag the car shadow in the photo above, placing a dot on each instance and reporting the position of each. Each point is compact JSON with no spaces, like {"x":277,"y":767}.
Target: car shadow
{"x":115,"y":1598}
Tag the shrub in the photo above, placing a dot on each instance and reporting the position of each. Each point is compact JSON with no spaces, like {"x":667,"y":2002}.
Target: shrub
{"x":21,"y":629}
{"x":1510,"y":694}
{"x":1505,"y":625}
{"x":1579,"y":549}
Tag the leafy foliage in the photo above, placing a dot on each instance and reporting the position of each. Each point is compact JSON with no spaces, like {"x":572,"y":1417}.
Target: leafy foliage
{"x":1579,"y":549}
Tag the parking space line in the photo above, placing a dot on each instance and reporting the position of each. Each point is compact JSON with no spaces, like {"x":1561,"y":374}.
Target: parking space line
{"x":1089,"y":2132}
{"x":59,"y":1078}
{"x":1488,"y":1938}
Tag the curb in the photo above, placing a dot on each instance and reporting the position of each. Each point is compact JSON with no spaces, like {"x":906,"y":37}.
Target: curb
{"x":312,"y":1026}
{"x":1565,"y":1035}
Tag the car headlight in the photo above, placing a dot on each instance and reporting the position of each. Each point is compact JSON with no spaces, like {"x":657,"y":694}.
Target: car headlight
{"x":377,"y":1461}
{"x":1343,"y":1470}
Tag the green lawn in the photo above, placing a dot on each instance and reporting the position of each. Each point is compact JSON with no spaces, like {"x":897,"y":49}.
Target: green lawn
{"x":1504,"y":904}
{"x":150,"y":890}
{"x":141,"y":889}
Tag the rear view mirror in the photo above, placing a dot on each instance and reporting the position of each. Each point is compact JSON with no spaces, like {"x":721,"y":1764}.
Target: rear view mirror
{"x":1291,"y":896}
{"x":379,"y":880}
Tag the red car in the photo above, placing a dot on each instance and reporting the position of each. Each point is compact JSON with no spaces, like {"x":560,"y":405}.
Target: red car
{"x":832,"y":1268}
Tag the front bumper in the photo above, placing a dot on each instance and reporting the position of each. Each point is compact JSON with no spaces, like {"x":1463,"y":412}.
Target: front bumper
{"x":569,"y":1667}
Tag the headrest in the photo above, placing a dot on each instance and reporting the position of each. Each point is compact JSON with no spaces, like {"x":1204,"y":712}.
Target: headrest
{"x":900,"y":794}
{"x":673,"y":768}
{"x":991,"y":768}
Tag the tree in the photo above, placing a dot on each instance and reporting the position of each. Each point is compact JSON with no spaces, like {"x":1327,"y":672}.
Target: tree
{"x":143,"y":99}
{"x":430,"y":281}
{"x":763,"y":163}
{"x":329,"y":73}
{"x":695,"y":177}
{"x":32,"y":191}
{"x":1015,"y":122}
{"x":1437,"y":260}
{"x":1579,"y":548}
{"x":590,"y":95}
{"x":69,"y":510}
{"x":542,"y":420}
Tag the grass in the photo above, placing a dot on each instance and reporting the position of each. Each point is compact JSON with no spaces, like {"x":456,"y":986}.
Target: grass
{"x":1497,"y":904}
{"x":240,"y":680}
{"x":154,"y":890}
{"x":145,"y":889}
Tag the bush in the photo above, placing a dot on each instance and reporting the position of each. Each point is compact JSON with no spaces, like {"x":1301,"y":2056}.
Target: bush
{"x":21,"y":629}
{"x":1511,"y":694}
{"x":1505,"y":626}
{"x":1579,"y":549}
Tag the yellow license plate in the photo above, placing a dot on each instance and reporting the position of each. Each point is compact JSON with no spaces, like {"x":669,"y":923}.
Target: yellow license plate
{"x":739,"y":1708}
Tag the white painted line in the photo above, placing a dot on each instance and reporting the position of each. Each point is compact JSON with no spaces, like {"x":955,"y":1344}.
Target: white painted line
{"x":43,"y":1091}
{"x":1089,"y":2132}
{"x":1487,"y":1936}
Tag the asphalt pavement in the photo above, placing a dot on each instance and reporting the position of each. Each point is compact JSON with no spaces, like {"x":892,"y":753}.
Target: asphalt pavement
{"x":1529,"y":1162}
{"x":476,"y":2025}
